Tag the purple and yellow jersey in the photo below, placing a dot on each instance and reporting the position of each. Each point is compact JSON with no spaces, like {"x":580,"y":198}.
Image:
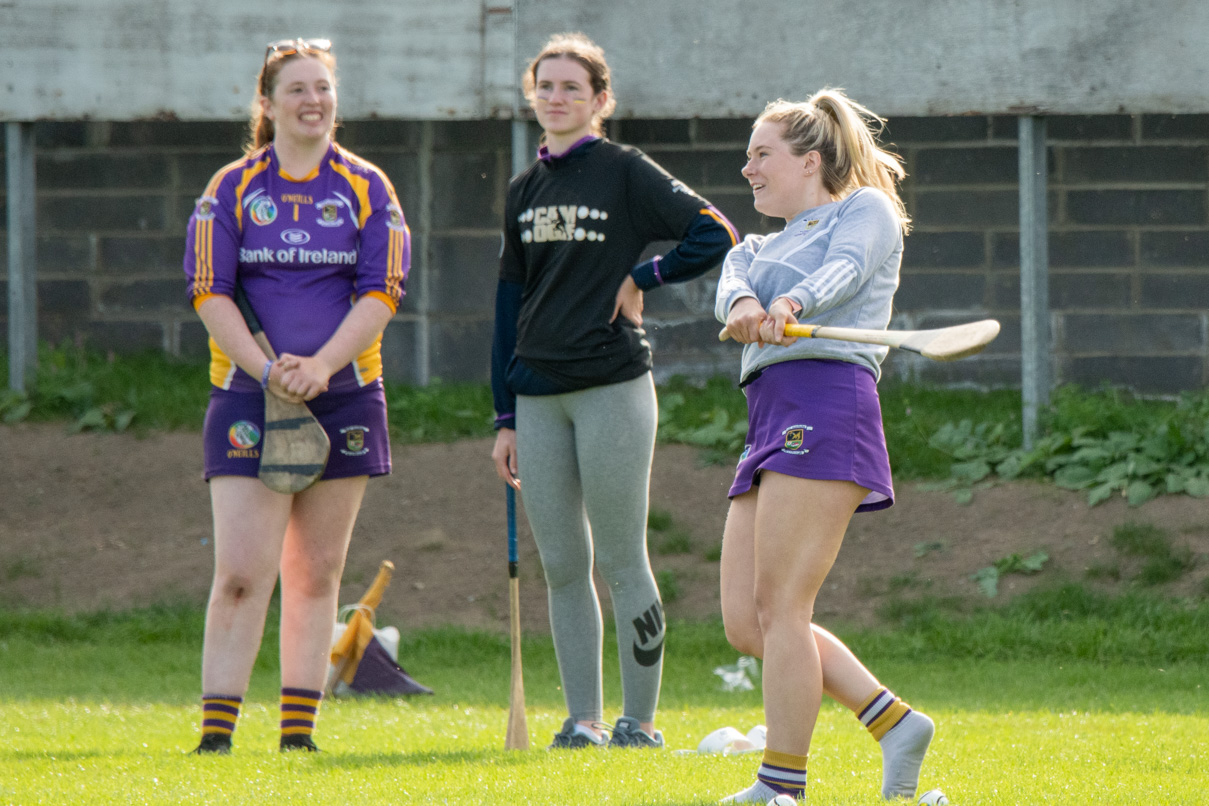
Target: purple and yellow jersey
{"x":304,"y":251}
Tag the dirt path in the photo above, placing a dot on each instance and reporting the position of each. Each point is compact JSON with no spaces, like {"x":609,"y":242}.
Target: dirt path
{"x":92,"y":520}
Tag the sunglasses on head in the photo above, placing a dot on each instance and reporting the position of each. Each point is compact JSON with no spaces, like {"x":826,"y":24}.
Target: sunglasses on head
{"x":288,"y":47}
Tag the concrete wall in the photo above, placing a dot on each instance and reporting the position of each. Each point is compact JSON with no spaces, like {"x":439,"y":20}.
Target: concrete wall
{"x":412,"y":59}
{"x":137,"y":59}
{"x":1129,"y":239}
{"x":721,"y":58}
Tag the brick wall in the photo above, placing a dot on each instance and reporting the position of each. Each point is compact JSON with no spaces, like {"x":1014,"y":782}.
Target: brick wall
{"x":1129,"y":239}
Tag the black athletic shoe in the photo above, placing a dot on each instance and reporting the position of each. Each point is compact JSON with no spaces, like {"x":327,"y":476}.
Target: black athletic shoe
{"x":627,"y":733}
{"x":298,"y":741}
{"x":571,"y":739}
{"x":219,"y":743}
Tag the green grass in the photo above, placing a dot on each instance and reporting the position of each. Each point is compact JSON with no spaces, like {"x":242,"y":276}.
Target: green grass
{"x":106,"y":391}
{"x":1163,"y":562}
{"x":102,"y":708}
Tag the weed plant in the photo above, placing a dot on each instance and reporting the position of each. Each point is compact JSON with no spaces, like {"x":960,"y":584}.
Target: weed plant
{"x":1162,"y":561}
{"x":1107,"y":442}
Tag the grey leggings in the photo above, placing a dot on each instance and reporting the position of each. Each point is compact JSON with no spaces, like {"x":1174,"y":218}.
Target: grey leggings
{"x":584,"y":460}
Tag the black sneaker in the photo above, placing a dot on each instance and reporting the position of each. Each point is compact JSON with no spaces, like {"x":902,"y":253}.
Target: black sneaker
{"x":571,"y":739}
{"x":219,"y":743}
{"x":627,"y":733}
{"x":298,"y":741}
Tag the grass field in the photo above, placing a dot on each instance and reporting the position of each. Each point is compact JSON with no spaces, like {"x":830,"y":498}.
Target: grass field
{"x":1061,"y":697}
{"x":103,"y":709}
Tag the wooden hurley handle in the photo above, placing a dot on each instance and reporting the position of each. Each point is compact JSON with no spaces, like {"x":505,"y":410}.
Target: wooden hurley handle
{"x":517,"y":735}
{"x":373,"y":596}
{"x":801,"y":331}
{"x":253,"y":322}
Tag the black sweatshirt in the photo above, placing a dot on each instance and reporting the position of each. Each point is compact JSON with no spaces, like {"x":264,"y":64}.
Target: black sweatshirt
{"x":574,"y":227}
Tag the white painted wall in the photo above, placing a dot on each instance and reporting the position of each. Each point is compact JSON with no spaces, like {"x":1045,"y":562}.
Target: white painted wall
{"x":723,"y":58}
{"x":132,"y":59}
{"x":438,"y":59}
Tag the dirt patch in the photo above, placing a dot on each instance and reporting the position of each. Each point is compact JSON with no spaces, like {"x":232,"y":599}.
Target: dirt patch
{"x":93,"y":521}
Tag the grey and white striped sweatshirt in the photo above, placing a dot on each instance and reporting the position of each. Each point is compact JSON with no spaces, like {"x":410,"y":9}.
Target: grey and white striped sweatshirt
{"x":838,"y":261}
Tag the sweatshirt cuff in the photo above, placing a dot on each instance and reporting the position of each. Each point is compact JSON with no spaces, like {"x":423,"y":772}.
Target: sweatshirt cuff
{"x":793,"y":303}
{"x":646,"y":275}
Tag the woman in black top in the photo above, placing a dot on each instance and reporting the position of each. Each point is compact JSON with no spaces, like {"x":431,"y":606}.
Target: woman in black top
{"x":571,"y":374}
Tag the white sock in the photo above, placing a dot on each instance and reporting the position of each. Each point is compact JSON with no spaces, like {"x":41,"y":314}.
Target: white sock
{"x":759,"y":792}
{"x":592,"y":735}
{"x":903,"y":750}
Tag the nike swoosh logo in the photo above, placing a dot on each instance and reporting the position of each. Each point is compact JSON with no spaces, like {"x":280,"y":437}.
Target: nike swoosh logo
{"x":648,"y":657}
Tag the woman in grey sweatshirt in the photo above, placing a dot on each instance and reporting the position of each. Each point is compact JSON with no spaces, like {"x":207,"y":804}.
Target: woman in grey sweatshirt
{"x":815,"y":450}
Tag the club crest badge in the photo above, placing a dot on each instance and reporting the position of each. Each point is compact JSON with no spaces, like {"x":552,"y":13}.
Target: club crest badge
{"x":795,"y":438}
{"x":205,"y":208}
{"x":396,"y":218}
{"x":811,"y":223}
{"x":262,"y":211}
{"x":354,"y":440}
{"x":329,"y":213}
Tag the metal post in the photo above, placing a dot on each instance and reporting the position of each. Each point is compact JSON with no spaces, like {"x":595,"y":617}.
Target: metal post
{"x":421,"y":253}
{"x":22,"y":264}
{"x":1034,"y":275}
{"x":522,"y":155}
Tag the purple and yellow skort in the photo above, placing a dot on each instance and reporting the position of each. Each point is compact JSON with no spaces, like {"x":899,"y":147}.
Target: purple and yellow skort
{"x":816,"y":419}
{"x":355,"y":423}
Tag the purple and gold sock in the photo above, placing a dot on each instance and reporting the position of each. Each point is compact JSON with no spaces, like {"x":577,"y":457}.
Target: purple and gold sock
{"x":784,"y":773}
{"x":904,"y":735}
{"x":299,"y":710}
{"x":881,"y":712}
{"x":219,"y":714}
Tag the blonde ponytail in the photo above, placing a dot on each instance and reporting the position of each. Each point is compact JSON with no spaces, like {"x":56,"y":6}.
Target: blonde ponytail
{"x":844,"y":133}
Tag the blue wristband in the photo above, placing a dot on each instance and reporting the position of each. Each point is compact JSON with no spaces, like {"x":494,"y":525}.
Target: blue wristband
{"x":264,"y":376}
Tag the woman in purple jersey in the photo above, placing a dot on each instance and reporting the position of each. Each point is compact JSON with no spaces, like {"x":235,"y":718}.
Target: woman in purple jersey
{"x":816,"y":452}
{"x":571,"y":375}
{"x":304,"y":227}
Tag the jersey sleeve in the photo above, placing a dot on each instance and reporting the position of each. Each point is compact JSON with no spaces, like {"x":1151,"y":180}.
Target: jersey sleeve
{"x":665,"y":209}
{"x":512,"y":258}
{"x":661,"y":206}
{"x":212,"y":242}
{"x":702,"y":247}
{"x":385,"y":252}
{"x":508,"y":295}
{"x":503,"y":349}
{"x":734,"y":284}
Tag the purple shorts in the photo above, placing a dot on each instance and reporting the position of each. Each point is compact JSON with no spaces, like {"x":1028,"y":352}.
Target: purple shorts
{"x":816,"y":419}
{"x":355,"y":423}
